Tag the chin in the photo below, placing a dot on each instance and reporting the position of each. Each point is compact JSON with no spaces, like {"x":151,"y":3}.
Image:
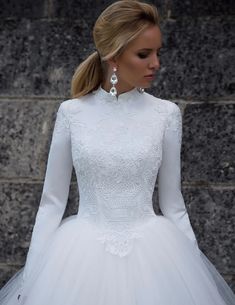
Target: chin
{"x":148,"y":85}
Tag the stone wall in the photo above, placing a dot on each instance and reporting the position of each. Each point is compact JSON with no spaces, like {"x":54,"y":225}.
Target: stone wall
{"x":41,"y":44}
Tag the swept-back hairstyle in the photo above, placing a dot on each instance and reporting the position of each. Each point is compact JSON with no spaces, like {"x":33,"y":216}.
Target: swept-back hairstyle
{"x":115,"y":28}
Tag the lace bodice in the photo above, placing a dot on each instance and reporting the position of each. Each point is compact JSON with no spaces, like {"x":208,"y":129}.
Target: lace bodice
{"x":118,"y":147}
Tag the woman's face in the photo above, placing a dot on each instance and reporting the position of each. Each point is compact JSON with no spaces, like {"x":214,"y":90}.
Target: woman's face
{"x":137,"y":65}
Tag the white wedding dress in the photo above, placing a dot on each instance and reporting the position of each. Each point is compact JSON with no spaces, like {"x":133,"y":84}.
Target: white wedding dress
{"x":116,"y":250}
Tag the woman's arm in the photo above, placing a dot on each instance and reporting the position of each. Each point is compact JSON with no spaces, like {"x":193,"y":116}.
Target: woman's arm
{"x":55,"y":190}
{"x":171,"y":201}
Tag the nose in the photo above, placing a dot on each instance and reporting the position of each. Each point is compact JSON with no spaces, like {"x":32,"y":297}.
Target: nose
{"x":155,"y":62}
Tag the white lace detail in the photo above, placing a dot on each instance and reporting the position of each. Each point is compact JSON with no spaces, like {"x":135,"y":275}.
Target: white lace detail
{"x":119,"y":242}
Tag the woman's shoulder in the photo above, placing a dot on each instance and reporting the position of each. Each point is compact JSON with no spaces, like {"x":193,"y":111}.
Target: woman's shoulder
{"x":162,"y":105}
{"x":73,"y":104}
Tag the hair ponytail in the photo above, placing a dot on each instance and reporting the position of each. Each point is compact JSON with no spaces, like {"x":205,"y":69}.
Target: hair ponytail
{"x":87,"y":76}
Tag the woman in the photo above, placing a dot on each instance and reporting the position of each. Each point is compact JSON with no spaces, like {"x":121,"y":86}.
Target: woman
{"x":116,"y":251}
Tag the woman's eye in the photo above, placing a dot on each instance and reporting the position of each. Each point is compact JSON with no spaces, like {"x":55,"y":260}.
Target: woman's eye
{"x":142,"y":55}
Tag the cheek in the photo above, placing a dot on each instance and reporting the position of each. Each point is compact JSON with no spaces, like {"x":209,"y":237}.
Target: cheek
{"x":134,"y":65}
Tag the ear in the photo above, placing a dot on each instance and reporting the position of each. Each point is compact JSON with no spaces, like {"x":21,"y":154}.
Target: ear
{"x":112,"y":62}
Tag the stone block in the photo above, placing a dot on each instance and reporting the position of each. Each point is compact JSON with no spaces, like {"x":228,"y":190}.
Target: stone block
{"x":196,"y":59}
{"x":208,"y":143}
{"x":91,"y":9}
{"x":39,"y":57}
{"x":24,"y":9}
{"x":19,"y":203}
{"x":70,"y":9}
{"x":7,"y":271}
{"x":212,"y":216}
{"x":73,"y":201}
{"x":201,"y":8}
{"x":26,"y":129}
{"x":230,"y":279}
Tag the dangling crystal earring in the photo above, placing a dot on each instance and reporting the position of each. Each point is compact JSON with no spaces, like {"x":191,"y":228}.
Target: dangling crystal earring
{"x":113,"y":81}
{"x":141,"y":90}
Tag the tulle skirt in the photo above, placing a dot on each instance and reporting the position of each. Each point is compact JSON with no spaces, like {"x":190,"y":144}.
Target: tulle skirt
{"x":163,"y":268}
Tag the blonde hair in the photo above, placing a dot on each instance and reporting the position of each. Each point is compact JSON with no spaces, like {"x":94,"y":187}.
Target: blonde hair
{"x":115,"y":28}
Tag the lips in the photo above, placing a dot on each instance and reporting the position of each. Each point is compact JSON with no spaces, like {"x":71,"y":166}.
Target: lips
{"x":150,"y":76}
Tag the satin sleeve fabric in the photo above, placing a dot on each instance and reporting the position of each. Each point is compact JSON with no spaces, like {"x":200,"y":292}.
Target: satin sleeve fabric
{"x":55,"y":191}
{"x":171,"y":201}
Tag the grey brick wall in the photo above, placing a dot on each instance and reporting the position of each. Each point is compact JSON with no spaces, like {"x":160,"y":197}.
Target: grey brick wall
{"x":41,"y":44}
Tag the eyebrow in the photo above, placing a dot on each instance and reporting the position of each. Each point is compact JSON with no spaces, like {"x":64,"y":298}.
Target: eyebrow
{"x":148,"y":49}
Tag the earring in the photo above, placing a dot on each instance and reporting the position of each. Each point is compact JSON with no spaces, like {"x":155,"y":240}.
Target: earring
{"x":113,"y":81}
{"x":141,"y":90}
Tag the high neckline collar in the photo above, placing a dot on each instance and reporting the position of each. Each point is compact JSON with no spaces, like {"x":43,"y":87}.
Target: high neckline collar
{"x":123,"y":97}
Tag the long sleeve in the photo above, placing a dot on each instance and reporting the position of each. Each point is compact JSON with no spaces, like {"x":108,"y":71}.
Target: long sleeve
{"x":171,"y":201}
{"x":55,"y":190}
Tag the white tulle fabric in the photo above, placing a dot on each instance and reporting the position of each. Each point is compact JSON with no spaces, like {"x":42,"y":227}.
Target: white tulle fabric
{"x":116,"y":250}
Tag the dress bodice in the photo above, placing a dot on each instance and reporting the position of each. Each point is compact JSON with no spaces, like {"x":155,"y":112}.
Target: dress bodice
{"x":116,"y":146}
{"x":116,"y":151}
